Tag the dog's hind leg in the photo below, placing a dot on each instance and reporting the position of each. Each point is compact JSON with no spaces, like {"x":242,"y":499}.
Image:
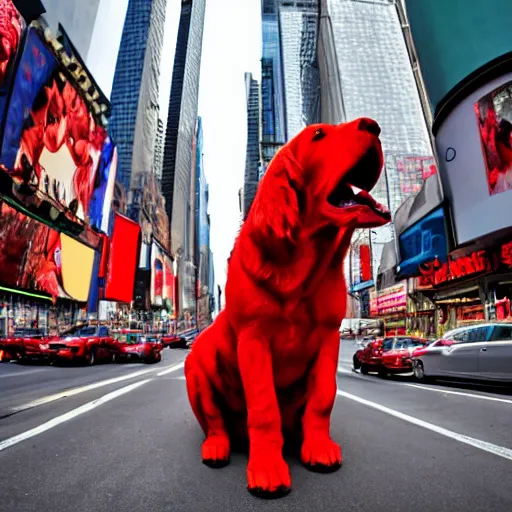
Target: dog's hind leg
{"x":216,"y":446}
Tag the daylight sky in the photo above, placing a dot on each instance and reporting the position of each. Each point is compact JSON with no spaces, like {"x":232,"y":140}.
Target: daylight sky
{"x":231,"y":46}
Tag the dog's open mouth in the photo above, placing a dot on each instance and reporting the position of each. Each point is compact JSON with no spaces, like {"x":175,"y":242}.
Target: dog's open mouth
{"x":353,"y":189}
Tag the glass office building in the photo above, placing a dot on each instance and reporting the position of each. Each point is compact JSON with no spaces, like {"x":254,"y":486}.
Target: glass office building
{"x":134,"y":99}
{"x":252,"y":163}
{"x":178,"y":177}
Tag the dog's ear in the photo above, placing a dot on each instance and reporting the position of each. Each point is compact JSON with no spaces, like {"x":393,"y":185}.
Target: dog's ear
{"x":275,"y":215}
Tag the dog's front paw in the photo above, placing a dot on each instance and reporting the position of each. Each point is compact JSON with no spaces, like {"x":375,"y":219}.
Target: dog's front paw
{"x":268,"y":476}
{"x":215,"y":451}
{"x":321,"y":454}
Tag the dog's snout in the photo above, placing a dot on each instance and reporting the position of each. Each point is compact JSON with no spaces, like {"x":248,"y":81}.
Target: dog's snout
{"x":369,"y":125}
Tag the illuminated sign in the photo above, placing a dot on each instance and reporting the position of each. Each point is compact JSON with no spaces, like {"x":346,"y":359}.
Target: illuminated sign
{"x":481,"y":262}
{"x":423,"y":242}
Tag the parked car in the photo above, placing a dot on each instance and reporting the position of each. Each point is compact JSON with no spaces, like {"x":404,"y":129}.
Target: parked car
{"x":367,"y":358}
{"x":137,"y":346}
{"x":397,"y":353}
{"x":391,"y":354}
{"x":26,"y":344}
{"x":87,"y":344}
{"x":478,"y":352}
{"x":174,"y":341}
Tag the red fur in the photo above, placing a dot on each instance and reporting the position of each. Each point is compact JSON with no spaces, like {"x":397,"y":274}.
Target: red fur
{"x":267,"y":366}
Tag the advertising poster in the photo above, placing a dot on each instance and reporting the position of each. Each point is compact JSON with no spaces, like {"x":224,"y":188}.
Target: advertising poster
{"x":51,"y":141}
{"x":11,"y":30}
{"x":157,"y":275}
{"x":494,"y":117}
{"x":37,"y":258}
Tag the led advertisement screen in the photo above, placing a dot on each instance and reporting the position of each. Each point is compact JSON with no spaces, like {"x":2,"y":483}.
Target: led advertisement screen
{"x":424,"y":241}
{"x":37,"y":258}
{"x":494,"y":116}
{"x":123,"y":259}
{"x":11,"y":31}
{"x":157,"y":275}
{"x":475,"y":166}
{"x":51,"y":141}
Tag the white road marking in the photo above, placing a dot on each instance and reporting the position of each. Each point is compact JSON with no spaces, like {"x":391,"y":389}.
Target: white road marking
{"x":344,"y":370}
{"x":500,"y":451}
{"x":89,"y":387}
{"x":171,"y":369}
{"x":69,"y":415}
{"x":180,"y":378}
{"x":19,"y":374}
{"x":470,"y":395}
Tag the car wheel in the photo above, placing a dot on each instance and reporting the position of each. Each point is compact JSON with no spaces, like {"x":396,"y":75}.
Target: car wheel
{"x":382,"y":372}
{"x":364,"y":369}
{"x":90,"y":359}
{"x":113,"y":359}
{"x":356,"y":363}
{"x":419,"y":372}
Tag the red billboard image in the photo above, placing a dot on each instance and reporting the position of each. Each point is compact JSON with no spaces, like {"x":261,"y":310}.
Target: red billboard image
{"x":123,"y":260}
{"x":52,"y":142}
{"x":366,"y":264}
{"x":11,"y":27}
{"x":494,"y":116}
{"x":35,"y":257}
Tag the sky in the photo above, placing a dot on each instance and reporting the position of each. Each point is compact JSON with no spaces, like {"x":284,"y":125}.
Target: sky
{"x":231,"y":46}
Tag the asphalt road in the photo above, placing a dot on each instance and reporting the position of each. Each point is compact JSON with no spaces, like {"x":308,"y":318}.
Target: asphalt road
{"x":123,"y":438}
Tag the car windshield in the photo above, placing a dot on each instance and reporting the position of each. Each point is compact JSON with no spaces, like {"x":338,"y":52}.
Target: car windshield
{"x":27,"y":332}
{"x":131,"y":339}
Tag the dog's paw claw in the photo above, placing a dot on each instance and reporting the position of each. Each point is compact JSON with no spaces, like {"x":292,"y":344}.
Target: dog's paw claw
{"x":215,"y":451}
{"x":269,"y":477}
{"x":321,"y":455}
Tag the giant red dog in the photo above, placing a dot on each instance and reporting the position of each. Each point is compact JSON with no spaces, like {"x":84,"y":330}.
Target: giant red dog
{"x":267,"y":366}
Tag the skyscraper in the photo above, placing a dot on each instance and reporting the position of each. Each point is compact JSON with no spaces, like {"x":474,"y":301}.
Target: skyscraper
{"x":298,"y":22}
{"x":134,"y":99}
{"x":252,"y":158}
{"x":178,"y":178}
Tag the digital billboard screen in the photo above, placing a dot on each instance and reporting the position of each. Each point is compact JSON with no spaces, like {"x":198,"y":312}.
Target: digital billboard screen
{"x":51,"y":141}
{"x":475,"y":160}
{"x":35,"y":257}
{"x":424,"y":241}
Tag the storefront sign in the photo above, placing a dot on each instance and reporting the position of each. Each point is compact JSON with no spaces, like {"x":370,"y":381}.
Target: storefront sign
{"x":392,"y":300}
{"x":435,"y":273}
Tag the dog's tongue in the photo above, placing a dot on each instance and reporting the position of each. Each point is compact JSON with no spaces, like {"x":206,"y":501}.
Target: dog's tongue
{"x":363,"y":197}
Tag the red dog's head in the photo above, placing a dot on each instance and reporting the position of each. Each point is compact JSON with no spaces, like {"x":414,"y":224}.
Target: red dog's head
{"x":321,"y":177}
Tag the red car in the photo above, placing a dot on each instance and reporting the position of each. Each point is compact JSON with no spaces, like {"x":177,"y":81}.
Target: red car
{"x":87,"y":344}
{"x":368,"y":357}
{"x":174,"y":341}
{"x":26,"y":344}
{"x":397,"y":354}
{"x":140,"y":347}
{"x":391,"y":354}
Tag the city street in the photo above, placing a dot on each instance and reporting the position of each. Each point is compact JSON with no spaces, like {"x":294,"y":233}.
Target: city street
{"x":123,"y":437}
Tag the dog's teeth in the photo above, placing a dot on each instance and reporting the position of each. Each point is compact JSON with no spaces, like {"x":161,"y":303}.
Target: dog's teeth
{"x":355,"y":189}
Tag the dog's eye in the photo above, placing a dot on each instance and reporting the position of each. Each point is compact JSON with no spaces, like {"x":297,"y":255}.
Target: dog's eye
{"x":319,"y":134}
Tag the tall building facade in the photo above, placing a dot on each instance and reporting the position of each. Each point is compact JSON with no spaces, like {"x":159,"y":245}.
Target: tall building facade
{"x":380,"y":84}
{"x":178,"y":177}
{"x":159,"y":148}
{"x":290,"y":84}
{"x":252,"y":158}
{"x":134,"y":100}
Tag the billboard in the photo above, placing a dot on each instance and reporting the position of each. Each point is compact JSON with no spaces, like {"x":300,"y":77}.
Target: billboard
{"x":52,"y":145}
{"x":123,"y":259}
{"x":35,"y":257}
{"x":494,"y":117}
{"x":424,"y":241}
{"x":475,"y":161}
{"x":11,"y":30}
{"x":162,"y":278}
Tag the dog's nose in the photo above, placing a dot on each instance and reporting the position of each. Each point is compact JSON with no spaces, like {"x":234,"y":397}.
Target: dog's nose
{"x":369,"y":125}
